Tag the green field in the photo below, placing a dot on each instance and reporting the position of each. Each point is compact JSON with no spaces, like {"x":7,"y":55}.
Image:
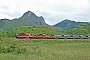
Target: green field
{"x":46,"y":49}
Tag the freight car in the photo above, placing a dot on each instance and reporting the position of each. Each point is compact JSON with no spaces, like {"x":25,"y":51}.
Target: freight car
{"x":50,"y":36}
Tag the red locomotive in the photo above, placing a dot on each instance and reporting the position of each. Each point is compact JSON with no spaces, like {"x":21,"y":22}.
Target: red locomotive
{"x":33,"y":36}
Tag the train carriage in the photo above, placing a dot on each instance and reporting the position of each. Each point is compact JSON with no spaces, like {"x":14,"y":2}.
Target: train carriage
{"x":56,"y":36}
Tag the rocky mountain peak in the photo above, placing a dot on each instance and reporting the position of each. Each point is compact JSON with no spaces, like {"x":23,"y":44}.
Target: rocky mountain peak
{"x":28,"y":15}
{"x":33,"y":18}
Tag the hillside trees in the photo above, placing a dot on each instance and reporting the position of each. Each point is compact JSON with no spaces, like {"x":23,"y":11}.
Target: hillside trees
{"x":0,"y":35}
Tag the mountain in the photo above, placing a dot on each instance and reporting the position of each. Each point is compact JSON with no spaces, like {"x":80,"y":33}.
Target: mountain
{"x":11,"y":32}
{"x":67,"y":24}
{"x":82,"y":29}
{"x":32,"y":17}
{"x":27,"y":19}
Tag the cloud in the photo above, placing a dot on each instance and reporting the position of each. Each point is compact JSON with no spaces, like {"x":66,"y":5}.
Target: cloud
{"x":53,"y":11}
{"x":10,"y":15}
{"x":4,"y":7}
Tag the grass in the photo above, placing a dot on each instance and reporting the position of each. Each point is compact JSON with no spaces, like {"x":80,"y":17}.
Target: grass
{"x":46,"y":49}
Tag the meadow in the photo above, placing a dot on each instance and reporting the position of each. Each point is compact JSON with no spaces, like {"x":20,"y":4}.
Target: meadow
{"x":48,"y":49}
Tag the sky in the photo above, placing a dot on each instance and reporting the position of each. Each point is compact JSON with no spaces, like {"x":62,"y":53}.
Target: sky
{"x":53,"y":11}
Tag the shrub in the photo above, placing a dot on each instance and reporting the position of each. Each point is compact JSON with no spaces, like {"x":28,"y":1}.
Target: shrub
{"x":13,"y":49}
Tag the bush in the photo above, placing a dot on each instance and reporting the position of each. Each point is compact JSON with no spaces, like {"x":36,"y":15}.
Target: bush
{"x":13,"y":49}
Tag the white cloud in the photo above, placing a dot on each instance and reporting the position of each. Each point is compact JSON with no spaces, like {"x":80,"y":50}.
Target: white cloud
{"x":53,"y":11}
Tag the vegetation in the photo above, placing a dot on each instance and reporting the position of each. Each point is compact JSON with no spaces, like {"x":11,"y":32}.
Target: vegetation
{"x":42,"y":49}
{"x":28,"y":29}
{"x":83,"y":29}
{"x":12,"y":49}
{"x":0,"y":35}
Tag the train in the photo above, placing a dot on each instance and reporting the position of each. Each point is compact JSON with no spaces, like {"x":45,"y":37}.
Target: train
{"x":50,"y":36}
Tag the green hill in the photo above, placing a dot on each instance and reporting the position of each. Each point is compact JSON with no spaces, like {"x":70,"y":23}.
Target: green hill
{"x":67,"y":24}
{"x":83,"y":29}
{"x":28,"y":29}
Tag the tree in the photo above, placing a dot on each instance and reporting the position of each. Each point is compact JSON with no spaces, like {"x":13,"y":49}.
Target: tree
{"x":0,"y":35}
